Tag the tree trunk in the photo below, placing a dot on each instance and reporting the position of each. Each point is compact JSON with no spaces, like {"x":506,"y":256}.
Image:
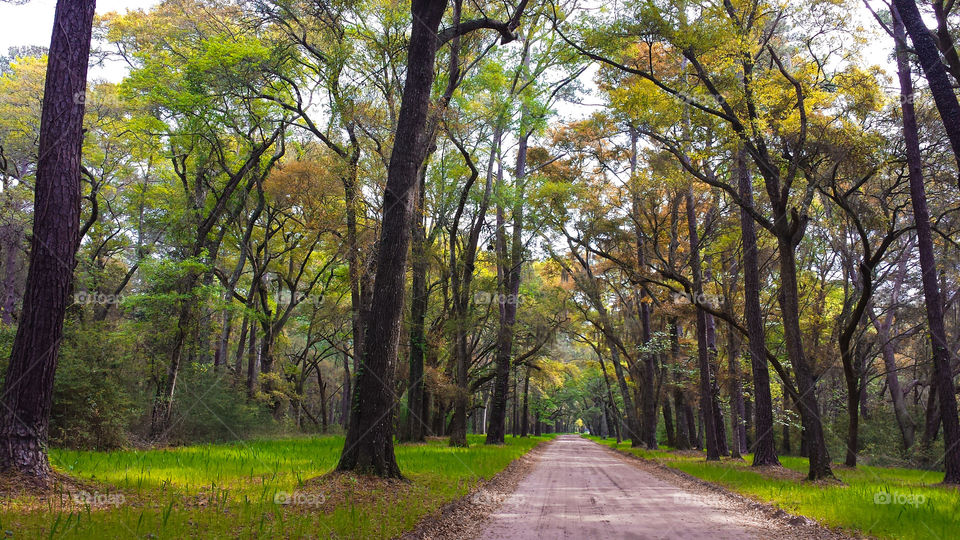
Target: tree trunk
{"x":703,"y":353}
{"x":613,"y":416}
{"x":884,"y":328}
{"x":684,"y":435}
{"x":718,"y":423}
{"x":223,"y":345}
{"x":668,"y":423}
{"x":904,"y":420}
{"x":461,"y":284}
{"x":747,"y":423}
{"x":604,"y":419}
{"x":764,"y":451}
{"x":738,"y":437}
{"x":28,"y":387}
{"x":322,"y":387}
{"x":368,"y":448}
{"x":355,"y":269}
{"x":633,"y":429}
{"x":508,"y":274}
{"x":414,"y":427}
{"x":852,"y":372}
{"x":714,"y":357}
{"x":806,"y":384}
{"x":696,"y":439}
{"x":931,"y":424}
{"x":345,"y":394}
{"x":525,"y":414}
{"x":238,"y":361}
{"x":934,"y":71}
{"x":942,"y":372}
{"x":253,"y":364}
{"x":648,"y":395}
{"x":163,"y":399}
{"x":786,"y":446}
{"x":853,"y":425}
{"x":11,"y":239}
{"x":515,"y":422}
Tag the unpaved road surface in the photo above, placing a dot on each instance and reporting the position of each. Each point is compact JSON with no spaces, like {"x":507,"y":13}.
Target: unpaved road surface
{"x":581,"y":490}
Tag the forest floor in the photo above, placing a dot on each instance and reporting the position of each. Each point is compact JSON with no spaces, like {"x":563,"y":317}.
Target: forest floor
{"x":881,"y":502}
{"x":250,"y":489}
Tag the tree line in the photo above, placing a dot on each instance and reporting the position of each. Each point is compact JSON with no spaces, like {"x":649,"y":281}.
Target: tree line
{"x":377,"y":218}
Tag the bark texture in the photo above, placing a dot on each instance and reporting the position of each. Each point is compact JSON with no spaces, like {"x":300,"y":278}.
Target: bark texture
{"x":933,"y":69}
{"x":764,"y":451}
{"x":28,"y":387}
{"x":942,"y":374}
{"x":368,"y":448}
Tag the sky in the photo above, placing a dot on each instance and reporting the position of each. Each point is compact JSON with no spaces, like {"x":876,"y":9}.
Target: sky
{"x":31,"y":23}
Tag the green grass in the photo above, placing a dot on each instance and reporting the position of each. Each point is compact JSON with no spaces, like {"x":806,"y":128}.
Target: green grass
{"x":228,"y":491}
{"x":920,"y":510}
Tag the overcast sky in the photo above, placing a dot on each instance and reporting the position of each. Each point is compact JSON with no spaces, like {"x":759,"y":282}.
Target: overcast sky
{"x":31,"y":23}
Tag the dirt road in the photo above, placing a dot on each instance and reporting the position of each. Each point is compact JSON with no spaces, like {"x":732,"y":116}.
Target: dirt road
{"x":581,"y":490}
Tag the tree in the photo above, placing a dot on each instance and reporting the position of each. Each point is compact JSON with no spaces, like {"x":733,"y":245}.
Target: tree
{"x":368,"y":448}
{"x":28,"y":387}
{"x":704,"y":350}
{"x":943,"y":374}
{"x":933,"y":68}
{"x":219,"y":140}
{"x":688,"y":36}
{"x":764,"y":452}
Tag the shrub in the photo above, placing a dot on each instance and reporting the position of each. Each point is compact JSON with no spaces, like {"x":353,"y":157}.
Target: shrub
{"x":208,"y":408}
{"x":91,"y":405}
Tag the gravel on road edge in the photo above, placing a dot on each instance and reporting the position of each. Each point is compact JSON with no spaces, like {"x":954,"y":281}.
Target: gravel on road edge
{"x":462,"y":518}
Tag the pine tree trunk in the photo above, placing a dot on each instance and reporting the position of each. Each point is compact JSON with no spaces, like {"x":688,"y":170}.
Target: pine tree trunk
{"x":28,"y":386}
{"x":253,"y":363}
{"x":668,"y":423}
{"x":931,"y":424}
{"x":934,"y":71}
{"x":322,"y":387}
{"x":806,"y":384}
{"x":648,"y":395}
{"x":508,"y":286}
{"x":345,"y":394}
{"x":612,"y":415}
{"x":684,"y":435}
{"x":942,"y":373}
{"x":738,"y":438}
{"x":786,"y":445}
{"x":11,"y":238}
{"x":241,"y":343}
{"x":747,"y":423}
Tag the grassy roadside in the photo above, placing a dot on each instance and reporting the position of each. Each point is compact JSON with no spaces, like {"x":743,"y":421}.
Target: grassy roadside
{"x":878,"y":501}
{"x":251,"y":489}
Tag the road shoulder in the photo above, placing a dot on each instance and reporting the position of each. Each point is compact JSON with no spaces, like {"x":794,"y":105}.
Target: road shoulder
{"x":464,"y":517}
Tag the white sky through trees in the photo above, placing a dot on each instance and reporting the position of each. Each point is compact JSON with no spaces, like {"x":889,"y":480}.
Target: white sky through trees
{"x":31,"y":23}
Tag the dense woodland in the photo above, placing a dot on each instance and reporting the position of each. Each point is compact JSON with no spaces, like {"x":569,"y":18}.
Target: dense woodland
{"x":729,"y":226}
